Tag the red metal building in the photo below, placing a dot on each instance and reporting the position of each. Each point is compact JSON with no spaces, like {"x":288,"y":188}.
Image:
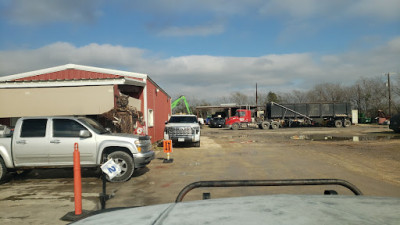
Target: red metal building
{"x":82,"y":90}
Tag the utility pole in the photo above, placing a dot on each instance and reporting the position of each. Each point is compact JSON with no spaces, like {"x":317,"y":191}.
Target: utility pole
{"x":390,"y":96}
{"x":359,"y":98}
{"x":256,"y":98}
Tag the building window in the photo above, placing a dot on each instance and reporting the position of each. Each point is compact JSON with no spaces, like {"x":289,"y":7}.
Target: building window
{"x":150,"y":121}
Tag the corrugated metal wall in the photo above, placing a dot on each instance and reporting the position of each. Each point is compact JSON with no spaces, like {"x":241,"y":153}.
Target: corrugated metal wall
{"x":160,"y":103}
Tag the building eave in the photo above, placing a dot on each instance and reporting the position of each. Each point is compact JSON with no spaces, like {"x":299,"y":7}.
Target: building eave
{"x":70,"y":83}
{"x":77,"y":67}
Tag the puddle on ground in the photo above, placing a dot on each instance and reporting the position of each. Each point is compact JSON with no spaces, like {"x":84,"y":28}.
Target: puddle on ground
{"x":344,"y":138}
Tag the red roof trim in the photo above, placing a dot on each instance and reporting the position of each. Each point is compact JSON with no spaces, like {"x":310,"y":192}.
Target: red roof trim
{"x":69,"y":74}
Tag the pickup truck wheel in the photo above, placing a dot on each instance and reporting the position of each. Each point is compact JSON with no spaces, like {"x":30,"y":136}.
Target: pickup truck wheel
{"x":3,"y":169}
{"x":196,"y":144}
{"x":235,"y":126}
{"x":125,"y":161}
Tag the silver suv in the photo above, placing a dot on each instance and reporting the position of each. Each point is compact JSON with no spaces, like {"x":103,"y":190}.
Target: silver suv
{"x":183,"y":129}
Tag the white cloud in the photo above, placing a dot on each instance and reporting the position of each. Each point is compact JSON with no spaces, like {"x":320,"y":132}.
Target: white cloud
{"x":222,"y":7}
{"x":210,"y":77}
{"x":332,"y":10}
{"x":308,"y":17}
{"x":297,"y":16}
{"x":27,"y":12}
{"x":198,"y":30}
{"x":109,"y":56}
{"x":387,"y":10}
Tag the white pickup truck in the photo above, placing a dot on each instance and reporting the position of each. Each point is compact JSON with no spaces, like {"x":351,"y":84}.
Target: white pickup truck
{"x":48,"y":142}
{"x":183,"y":128}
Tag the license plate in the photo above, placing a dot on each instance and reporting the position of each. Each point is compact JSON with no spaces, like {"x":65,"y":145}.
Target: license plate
{"x":181,"y":139}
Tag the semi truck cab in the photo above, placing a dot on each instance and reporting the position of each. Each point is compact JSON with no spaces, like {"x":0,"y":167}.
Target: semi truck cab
{"x":241,"y":116}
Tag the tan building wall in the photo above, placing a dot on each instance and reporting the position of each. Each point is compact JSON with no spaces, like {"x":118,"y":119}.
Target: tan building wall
{"x":135,"y":103}
{"x":86,"y":100}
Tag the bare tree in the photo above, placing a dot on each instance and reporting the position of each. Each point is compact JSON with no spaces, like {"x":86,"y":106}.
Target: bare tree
{"x":370,"y":96}
{"x":396,"y":93}
{"x":285,"y":97}
{"x":299,"y":96}
{"x":239,"y":98}
{"x":327,"y":92}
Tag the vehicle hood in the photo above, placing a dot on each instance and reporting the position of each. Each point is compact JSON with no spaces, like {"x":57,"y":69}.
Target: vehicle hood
{"x":232,"y":119}
{"x":270,"y":209}
{"x":124,"y":135}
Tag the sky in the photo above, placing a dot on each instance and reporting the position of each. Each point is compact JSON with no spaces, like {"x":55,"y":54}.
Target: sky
{"x":206,"y":49}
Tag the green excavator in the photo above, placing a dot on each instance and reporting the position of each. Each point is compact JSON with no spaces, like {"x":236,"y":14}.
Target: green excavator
{"x":176,"y":102}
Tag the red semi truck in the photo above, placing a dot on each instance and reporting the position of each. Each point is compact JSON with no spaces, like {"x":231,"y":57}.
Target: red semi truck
{"x":280,"y":115}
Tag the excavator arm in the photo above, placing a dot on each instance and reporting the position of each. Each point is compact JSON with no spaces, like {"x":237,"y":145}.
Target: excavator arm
{"x":176,"y":102}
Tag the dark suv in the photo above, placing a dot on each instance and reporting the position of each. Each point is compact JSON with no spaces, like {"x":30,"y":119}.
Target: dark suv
{"x":217,"y":122}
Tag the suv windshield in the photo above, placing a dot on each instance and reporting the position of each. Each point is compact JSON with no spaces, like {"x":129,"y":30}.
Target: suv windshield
{"x":183,"y":119}
{"x":96,"y":127}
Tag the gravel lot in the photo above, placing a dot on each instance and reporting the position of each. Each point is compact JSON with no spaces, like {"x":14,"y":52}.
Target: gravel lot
{"x":368,"y":156}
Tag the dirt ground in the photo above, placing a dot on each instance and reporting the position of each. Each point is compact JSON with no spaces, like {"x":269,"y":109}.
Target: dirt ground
{"x":367,"y":156}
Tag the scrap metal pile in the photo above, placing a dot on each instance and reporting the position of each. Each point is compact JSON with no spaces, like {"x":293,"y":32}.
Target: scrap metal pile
{"x":123,"y":118}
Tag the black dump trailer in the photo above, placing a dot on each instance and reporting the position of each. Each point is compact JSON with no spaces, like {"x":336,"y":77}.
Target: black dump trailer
{"x":329,"y":114}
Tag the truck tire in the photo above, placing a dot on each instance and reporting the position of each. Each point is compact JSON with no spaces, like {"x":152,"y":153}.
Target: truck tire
{"x":196,"y":144}
{"x":235,"y":126}
{"x":274,"y":125}
{"x":338,"y":123}
{"x":125,"y":161}
{"x":3,"y":170}
{"x":347,"y":123}
{"x":264,"y":125}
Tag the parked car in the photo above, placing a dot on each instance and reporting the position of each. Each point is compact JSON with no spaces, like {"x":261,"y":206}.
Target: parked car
{"x":201,"y":121}
{"x":217,"y":122}
{"x":48,"y":142}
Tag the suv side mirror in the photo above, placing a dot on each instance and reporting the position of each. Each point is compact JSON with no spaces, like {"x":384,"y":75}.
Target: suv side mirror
{"x":84,"y":134}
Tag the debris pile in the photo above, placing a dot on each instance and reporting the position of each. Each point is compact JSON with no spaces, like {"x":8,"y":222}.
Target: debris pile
{"x":123,"y":118}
